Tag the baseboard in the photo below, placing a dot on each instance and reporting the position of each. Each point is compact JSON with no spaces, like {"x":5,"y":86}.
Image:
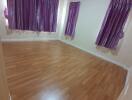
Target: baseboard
{"x":127,"y":85}
{"x":10,"y":97}
{"x":27,"y":39}
{"x":98,"y":55}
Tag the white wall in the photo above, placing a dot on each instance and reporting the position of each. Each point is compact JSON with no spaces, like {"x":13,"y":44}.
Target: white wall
{"x":24,"y":35}
{"x":2,"y":21}
{"x":90,"y":19}
{"x":28,"y":36}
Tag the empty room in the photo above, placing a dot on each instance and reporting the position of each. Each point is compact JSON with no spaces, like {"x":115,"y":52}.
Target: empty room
{"x":65,"y":50}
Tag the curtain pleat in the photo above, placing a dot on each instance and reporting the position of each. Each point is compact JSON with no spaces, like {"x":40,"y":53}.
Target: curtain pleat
{"x":33,"y":15}
{"x":48,"y":15}
{"x":11,"y":14}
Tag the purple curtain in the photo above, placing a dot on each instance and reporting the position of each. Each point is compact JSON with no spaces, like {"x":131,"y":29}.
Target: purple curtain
{"x":35,"y":15}
{"x":112,"y":29}
{"x":72,"y":19}
{"x":32,"y":15}
{"x":11,"y":14}
{"x":48,"y":15}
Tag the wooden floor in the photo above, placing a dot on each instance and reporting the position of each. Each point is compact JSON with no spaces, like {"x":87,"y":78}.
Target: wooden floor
{"x":55,"y":71}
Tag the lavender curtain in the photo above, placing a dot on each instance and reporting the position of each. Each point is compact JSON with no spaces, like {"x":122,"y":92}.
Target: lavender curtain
{"x":48,"y":15}
{"x":72,"y":19}
{"x":32,"y":15}
{"x":112,"y":29}
{"x":35,"y":15}
{"x":11,"y":14}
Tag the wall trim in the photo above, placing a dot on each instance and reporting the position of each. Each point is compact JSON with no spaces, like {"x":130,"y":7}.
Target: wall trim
{"x":27,"y":39}
{"x":98,"y":55}
{"x":10,"y":96}
{"x":127,"y":85}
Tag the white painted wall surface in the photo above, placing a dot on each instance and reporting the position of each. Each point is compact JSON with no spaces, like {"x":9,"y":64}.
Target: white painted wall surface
{"x":28,"y":36}
{"x":2,"y":21}
{"x":90,"y":19}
